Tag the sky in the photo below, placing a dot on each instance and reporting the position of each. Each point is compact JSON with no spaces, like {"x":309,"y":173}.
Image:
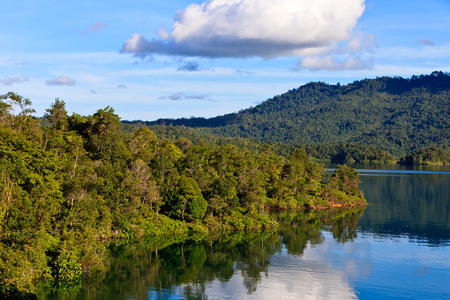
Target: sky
{"x":151,"y":59}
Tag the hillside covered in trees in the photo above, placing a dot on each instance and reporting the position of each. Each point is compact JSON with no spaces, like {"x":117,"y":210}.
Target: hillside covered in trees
{"x":68,"y":187}
{"x":397,"y":115}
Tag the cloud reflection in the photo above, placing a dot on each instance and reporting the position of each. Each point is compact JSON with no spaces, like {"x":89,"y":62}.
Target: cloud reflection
{"x":290,"y":277}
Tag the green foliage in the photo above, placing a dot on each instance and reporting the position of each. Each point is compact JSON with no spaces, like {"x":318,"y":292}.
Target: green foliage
{"x":186,"y":201}
{"x":161,"y":225}
{"x":342,"y":188}
{"x":349,"y":153}
{"x":428,"y":156}
{"x":67,"y":266}
{"x":392,"y":114}
{"x":67,"y":188}
{"x":57,"y":114}
{"x":10,"y":101}
{"x":142,"y":144}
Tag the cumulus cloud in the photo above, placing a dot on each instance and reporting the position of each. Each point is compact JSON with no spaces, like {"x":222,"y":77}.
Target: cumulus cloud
{"x":182,"y":96}
{"x":61,"y":80}
{"x":263,"y":28}
{"x":95,"y":27}
{"x":13,"y":80}
{"x":190,"y":67}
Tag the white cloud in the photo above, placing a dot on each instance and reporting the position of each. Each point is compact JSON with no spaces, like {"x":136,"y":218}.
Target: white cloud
{"x":257,"y":28}
{"x":352,"y":62}
{"x":290,"y":277}
{"x":61,"y":80}
{"x":13,"y":80}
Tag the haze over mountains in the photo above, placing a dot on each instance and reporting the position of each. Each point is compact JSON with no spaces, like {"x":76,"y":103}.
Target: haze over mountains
{"x":391,"y":113}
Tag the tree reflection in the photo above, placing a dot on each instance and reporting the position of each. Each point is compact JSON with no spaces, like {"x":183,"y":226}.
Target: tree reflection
{"x":297,"y":230}
{"x":184,"y":267}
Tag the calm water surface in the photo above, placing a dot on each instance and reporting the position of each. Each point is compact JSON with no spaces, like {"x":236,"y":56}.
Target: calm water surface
{"x":396,"y":248}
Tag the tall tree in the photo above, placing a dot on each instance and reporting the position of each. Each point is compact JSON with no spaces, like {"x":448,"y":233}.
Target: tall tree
{"x":57,"y":114}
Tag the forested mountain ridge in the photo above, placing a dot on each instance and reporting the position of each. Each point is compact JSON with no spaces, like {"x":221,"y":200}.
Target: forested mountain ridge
{"x":392,"y":113}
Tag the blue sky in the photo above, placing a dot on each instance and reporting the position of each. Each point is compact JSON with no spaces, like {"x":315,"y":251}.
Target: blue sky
{"x":152,"y":59}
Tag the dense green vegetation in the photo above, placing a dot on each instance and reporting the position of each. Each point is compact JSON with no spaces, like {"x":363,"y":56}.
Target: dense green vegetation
{"x":341,"y":153}
{"x":67,"y":189}
{"x":393,"y":114}
{"x":349,"y":153}
{"x":428,"y":156}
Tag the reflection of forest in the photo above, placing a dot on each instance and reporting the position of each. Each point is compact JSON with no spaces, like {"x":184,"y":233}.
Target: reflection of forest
{"x":185,"y":267}
{"x":299,"y":229}
{"x":415,"y":205}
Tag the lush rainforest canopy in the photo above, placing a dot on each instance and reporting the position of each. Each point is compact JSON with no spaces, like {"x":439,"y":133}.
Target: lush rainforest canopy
{"x":68,"y":187}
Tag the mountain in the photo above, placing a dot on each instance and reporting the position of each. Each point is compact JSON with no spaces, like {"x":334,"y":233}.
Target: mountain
{"x":391,"y":113}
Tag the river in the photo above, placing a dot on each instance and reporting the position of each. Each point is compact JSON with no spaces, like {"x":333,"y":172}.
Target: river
{"x":398,"y":247}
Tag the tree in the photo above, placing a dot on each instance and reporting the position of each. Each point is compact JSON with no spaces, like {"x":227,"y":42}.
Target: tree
{"x":142,"y":144}
{"x":57,"y":114}
{"x":141,"y":189}
{"x":164,"y":165}
{"x":186,"y":201}
{"x":347,"y":179}
{"x":31,"y":198}
{"x":105,"y":140}
{"x":342,"y":187}
{"x":9,"y":102}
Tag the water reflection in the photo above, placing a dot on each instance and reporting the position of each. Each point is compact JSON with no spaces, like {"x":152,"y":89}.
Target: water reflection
{"x":255,"y":265}
{"x":397,"y":247}
{"x":416,"y":205}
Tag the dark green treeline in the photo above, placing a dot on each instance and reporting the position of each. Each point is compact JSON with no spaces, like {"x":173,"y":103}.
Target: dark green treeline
{"x":398,"y":115}
{"x":68,"y":187}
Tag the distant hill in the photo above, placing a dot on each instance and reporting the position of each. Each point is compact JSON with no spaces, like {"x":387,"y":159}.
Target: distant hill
{"x":394,"y":114}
